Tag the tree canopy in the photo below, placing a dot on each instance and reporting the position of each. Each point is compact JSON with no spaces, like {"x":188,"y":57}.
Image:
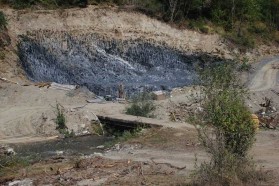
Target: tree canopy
{"x":239,"y":17}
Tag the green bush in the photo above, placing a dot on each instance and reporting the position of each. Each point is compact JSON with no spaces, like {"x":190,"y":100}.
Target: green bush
{"x":60,"y":117}
{"x":258,"y":27}
{"x":231,"y":170}
{"x":225,"y":127}
{"x":225,"y":107}
{"x":243,"y":40}
{"x":60,"y":121}
{"x":245,"y":65}
{"x":276,"y":36}
{"x":21,"y":4}
{"x":11,"y":164}
{"x":3,"y":21}
{"x":142,"y":105}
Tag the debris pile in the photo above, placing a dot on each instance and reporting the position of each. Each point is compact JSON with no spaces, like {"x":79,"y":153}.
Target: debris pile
{"x":6,"y":151}
{"x":191,"y":105}
{"x":268,"y":115}
{"x":182,"y":111}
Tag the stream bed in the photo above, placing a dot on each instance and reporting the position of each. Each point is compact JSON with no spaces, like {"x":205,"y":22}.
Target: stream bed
{"x":84,"y":145}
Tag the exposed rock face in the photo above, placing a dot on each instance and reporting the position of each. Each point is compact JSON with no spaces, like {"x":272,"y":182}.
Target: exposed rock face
{"x":102,"y":64}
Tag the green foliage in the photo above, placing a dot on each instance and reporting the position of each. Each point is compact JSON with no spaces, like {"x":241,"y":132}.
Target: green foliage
{"x":21,"y":4}
{"x":97,"y":128}
{"x":225,"y":127}
{"x":12,"y":161}
{"x":10,"y":164}
{"x":60,"y":117}
{"x":245,"y":65}
{"x":142,"y":105}
{"x":245,"y":40}
{"x":258,"y":28}
{"x":122,"y":136}
{"x":259,"y":18}
{"x":200,"y":25}
{"x":60,"y":121}
{"x":276,"y":36}
{"x":231,"y":170}
{"x":225,"y":108}
{"x":3,"y":21}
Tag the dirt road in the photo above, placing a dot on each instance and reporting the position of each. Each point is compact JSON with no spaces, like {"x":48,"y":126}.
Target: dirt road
{"x":266,"y":76}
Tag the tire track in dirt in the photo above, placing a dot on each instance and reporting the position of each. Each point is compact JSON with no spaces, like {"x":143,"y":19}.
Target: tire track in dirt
{"x":266,"y":77}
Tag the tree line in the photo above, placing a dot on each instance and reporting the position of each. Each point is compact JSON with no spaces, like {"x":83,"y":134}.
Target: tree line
{"x":253,"y":16}
{"x":225,"y":12}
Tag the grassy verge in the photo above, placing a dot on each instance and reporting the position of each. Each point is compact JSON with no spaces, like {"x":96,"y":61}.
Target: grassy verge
{"x":142,"y":105}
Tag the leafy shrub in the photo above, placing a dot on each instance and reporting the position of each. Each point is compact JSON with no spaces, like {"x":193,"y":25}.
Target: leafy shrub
{"x":121,"y":135}
{"x":60,"y":121}
{"x":10,"y":164}
{"x":276,"y":36}
{"x":142,"y":105}
{"x":97,"y":128}
{"x":258,"y":27}
{"x":245,"y":65}
{"x":225,"y":107}
{"x":243,"y":40}
{"x":225,"y":127}
{"x":21,"y":4}
{"x":232,"y":170}
{"x":60,"y":117}
{"x":205,"y":29}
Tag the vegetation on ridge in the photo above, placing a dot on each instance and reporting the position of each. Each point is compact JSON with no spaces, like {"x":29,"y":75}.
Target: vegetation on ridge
{"x":241,"y":21}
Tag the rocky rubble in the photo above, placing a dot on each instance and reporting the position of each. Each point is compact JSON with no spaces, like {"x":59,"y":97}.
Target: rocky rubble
{"x":268,"y":115}
{"x":6,"y":151}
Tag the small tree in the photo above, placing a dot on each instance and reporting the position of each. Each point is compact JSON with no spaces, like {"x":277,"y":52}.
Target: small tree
{"x":225,"y":127}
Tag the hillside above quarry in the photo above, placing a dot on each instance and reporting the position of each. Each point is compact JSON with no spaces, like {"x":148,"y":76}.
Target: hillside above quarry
{"x":112,"y":23}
